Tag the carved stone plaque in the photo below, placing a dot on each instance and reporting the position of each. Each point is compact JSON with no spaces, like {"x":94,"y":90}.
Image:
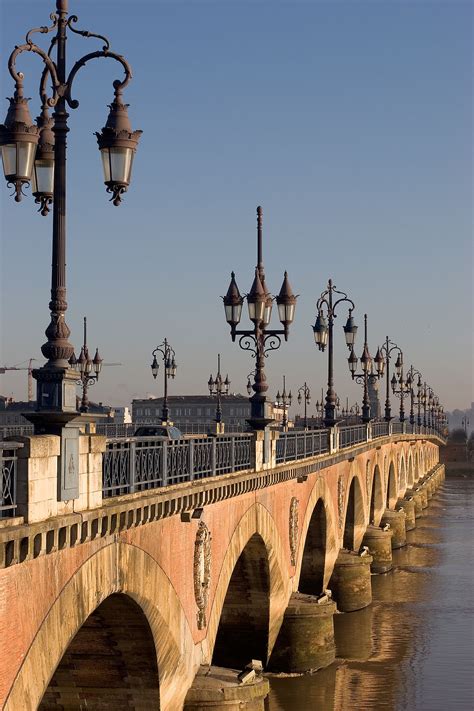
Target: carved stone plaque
{"x":202,"y":572}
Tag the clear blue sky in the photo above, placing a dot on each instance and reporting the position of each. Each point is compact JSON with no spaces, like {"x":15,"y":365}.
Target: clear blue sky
{"x":349,"y":122}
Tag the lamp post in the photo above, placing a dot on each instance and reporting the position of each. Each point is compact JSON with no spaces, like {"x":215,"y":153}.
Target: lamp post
{"x":218,"y":387}
{"x":37,"y":153}
{"x":353,"y":410}
{"x":387,"y":349}
{"x":367,"y":374}
{"x":404,"y":387}
{"x":304,"y":394}
{"x":169,"y":371}
{"x":323,"y":335}
{"x":284,"y":401}
{"x":85,"y":365}
{"x":412,"y":373}
{"x":260,"y":340}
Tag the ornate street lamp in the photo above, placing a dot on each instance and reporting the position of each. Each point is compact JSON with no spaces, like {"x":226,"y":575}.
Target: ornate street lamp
{"x":283,"y":400}
{"x":88,"y":369}
{"x":352,"y":411}
{"x":169,"y":371}
{"x":387,"y":349}
{"x":304,"y":395}
{"x":367,"y":371}
{"x":37,"y":153}
{"x":323,"y":335}
{"x":260,"y":340}
{"x":400,"y":387}
{"x":218,"y":387}
{"x":415,"y":398}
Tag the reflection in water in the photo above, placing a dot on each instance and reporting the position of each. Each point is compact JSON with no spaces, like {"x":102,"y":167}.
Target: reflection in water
{"x":412,"y":649}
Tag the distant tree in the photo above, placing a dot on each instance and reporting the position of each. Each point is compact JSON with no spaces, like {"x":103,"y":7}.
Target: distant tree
{"x":470,"y":442}
{"x":458,"y":435}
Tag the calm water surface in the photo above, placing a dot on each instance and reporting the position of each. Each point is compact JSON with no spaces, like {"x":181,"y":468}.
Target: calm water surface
{"x":412,"y":649}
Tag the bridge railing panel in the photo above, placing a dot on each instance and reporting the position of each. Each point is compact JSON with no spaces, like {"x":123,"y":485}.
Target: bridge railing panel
{"x":141,"y":463}
{"x":352,"y":434}
{"x":291,"y":446}
{"x":380,"y":429}
{"x":8,"y":478}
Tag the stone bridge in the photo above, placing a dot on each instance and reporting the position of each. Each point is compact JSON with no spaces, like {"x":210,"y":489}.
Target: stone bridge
{"x":125,"y":602}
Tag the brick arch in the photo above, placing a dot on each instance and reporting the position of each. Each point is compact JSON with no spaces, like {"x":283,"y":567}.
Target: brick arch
{"x":355,"y":511}
{"x":320,"y":492}
{"x":116,"y":568}
{"x":402,"y":477}
{"x":257,"y":521}
{"x":411,"y":477}
{"x":391,"y":486}
{"x":377,"y":503}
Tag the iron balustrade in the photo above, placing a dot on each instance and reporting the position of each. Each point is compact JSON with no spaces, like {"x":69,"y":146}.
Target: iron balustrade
{"x":352,"y":434}
{"x":141,"y":463}
{"x":380,"y":428}
{"x":8,"y":470}
{"x":292,"y":446}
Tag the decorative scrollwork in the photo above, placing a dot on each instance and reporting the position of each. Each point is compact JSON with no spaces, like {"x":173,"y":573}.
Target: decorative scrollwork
{"x":202,"y":572}
{"x":50,"y":68}
{"x":44,"y":29}
{"x":85,"y":33}
{"x":248,"y":342}
{"x":271,"y":342}
{"x":293,"y":529}
{"x":117,"y":84}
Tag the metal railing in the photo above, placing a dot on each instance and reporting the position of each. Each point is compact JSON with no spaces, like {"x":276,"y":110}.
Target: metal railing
{"x":141,"y":463}
{"x":380,"y":428}
{"x":292,"y":446}
{"x":132,"y":464}
{"x":352,"y":434}
{"x":8,"y":470}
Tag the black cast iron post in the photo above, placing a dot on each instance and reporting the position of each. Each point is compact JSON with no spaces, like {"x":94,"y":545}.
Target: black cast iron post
{"x":218,"y":387}
{"x":84,"y":365}
{"x":284,"y":401}
{"x":412,"y":372}
{"x":56,"y":380}
{"x":387,"y":349}
{"x":304,"y":394}
{"x":367,"y":372}
{"x":260,"y":340}
{"x":323,"y":335}
{"x":169,"y":371}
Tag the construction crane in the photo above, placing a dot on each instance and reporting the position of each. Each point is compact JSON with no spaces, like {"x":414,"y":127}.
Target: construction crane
{"x":29,"y":368}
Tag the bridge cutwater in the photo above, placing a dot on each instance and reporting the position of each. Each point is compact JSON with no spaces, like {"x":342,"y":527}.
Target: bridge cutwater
{"x":150,"y":574}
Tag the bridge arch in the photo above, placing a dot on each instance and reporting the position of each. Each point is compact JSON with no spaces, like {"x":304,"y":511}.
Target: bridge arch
{"x":355,"y":519}
{"x":392,"y":493}
{"x":411,"y":478}
{"x":320,"y":508}
{"x":115,"y":568}
{"x":402,"y":476}
{"x":377,"y":504}
{"x":255,"y":548}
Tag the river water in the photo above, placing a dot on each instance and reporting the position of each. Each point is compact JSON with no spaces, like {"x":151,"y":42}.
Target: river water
{"x":413,"y":648}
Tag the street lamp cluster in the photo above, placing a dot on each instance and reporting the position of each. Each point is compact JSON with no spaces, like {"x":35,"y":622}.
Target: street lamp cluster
{"x":36,"y":153}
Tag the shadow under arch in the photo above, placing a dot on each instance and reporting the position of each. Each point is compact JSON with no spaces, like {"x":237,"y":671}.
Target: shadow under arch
{"x":320,"y":496}
{"x":403,"y":477}
{"x":376,"y":507}
{"x":391,"y":498}
{"x":245,"y":618}
{"x":314,"y":553}
{"x":257,"y":530}
{"x":111,"y":662}
{"x":411,"y":478}
{"x":354,"y":522}
{"x":114,"y":568}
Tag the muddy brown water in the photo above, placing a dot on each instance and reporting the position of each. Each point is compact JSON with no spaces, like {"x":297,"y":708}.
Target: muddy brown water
{"x":413,"y":648}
